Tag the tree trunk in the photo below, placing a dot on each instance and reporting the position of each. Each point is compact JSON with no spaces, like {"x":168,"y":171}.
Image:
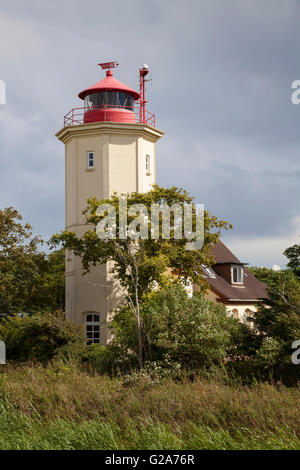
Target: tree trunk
{"x":140,"y":342}
{"x":139,"y":327}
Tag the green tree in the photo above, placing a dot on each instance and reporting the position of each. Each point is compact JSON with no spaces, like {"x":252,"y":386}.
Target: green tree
{"x":48,"y":294}
{"x":19,"y":260}
{"x":138,"y":264}
{"x":192,"y":332}
{"x":293,"y":255}
{"x":30,"y":280}
{"x":277,"y":323}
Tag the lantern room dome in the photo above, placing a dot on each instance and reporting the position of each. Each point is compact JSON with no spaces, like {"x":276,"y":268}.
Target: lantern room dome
{"x":109,"y":83}
{"x":109,"y":100}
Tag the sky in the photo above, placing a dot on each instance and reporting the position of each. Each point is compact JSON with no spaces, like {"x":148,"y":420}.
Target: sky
{"x":221,"y":89}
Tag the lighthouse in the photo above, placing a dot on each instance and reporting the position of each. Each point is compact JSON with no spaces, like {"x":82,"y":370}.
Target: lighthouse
{"x":109,"y":147}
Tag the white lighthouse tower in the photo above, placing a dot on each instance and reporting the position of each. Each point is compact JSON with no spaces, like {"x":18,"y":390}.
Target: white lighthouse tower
{"x":109,"y":147}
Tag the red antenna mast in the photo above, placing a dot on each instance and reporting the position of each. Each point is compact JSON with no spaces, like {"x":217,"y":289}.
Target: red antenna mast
{"x":143,"y":72}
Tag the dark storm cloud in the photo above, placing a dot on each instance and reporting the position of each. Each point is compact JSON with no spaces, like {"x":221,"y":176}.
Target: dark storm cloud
{"x":221,"y":86}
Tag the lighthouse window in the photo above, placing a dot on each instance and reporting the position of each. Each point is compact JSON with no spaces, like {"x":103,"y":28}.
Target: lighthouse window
{"x":147,"y":162}
{"x":90,"y":160}
{"x":92,"y":328}
{"x":113,"y":99}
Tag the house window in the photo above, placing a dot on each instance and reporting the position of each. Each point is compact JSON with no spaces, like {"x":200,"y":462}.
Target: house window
{"x":247,"y":315}
{"x":237,"y":275}
{"x":147,"y":163}
{"x":235,"y":313}
{"x":90,"y":160}
{"x":92,"y":328}
{"x":208,"y":271}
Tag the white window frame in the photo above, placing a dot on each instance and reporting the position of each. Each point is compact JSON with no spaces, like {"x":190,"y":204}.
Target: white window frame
{"x":208,"y":271}
{"x":148,"y":163}
{"x":92,"y":334}
{"x":88,"y":167}
{"x":242,"y":275}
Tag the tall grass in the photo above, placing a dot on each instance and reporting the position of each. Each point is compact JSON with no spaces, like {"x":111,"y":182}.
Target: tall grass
{"x":62,"y":407}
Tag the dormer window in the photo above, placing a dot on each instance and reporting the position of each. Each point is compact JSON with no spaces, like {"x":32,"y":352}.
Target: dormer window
{"x":237,"y":275}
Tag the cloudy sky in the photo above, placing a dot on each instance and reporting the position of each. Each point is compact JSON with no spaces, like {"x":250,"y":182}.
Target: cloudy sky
{"x":221,"y":87}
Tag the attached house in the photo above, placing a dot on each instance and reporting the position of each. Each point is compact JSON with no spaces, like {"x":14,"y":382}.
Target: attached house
{"x":232,"y":284}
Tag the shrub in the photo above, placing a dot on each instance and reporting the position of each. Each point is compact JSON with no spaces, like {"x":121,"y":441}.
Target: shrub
{"x":108,"y":359}
{"x":192,"y":332}
{"x":38,"y":337}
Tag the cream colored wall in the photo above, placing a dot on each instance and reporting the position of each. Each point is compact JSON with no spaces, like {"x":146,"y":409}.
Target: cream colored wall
{"x":146,"y":147}
{"x":120,"y":151}
{"x":236,"y":310}
{"x":243,"y":311}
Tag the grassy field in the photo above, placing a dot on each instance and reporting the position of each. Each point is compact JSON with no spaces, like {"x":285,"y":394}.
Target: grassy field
{"x":60,"y":407}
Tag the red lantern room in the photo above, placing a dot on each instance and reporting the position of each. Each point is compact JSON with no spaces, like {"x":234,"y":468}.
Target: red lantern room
{"x":109,"y":99}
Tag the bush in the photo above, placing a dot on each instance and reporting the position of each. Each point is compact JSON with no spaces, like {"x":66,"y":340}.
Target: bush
{"x":277,"y":324}
{"x":103,"y":359}
{"x":192,"y":332}
{"x":38,"y":337}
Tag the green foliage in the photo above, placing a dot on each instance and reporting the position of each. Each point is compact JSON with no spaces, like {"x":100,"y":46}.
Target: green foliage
{"x":293,"y":255}
{"x":49,"y":294}
{"x":38,"y":337}
{"x":276,"y":324}
{"x":136,"y":265}
{"x":19,"y":260}
{"x":153,"y":257}
{"x":103,"y":359}
{"x":191,"y":332}
{"x":279,"y":315}
{"x":30,"y":280}
{"x":62,"y":407}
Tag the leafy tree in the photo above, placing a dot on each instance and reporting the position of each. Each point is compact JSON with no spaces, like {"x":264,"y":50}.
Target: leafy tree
{"x":192,"y":332}
{"x":293,"y":255}
{"x":30,"y":280}
{"x":283,"y":297}
{"x":49,"y":292}
{"x":137,"y":265}
{"x":277,"y":323}
{"x":19,"y":259}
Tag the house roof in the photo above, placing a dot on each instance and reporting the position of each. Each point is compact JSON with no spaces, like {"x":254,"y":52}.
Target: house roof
{"x":223,"y":255}
{"x":251,"y":290}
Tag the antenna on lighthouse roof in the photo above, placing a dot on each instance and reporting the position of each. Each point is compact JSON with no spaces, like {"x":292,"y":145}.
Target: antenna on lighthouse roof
{"x":144,"y":70}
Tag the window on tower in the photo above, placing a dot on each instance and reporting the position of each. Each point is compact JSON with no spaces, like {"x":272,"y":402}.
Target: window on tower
{"x":90,"y":160}
{"x":92,"y":328}
{"x":147,"y":163}
{"x":111,"y":99}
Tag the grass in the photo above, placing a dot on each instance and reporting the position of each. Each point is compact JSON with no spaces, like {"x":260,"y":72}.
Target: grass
{"x":62,"y":407}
